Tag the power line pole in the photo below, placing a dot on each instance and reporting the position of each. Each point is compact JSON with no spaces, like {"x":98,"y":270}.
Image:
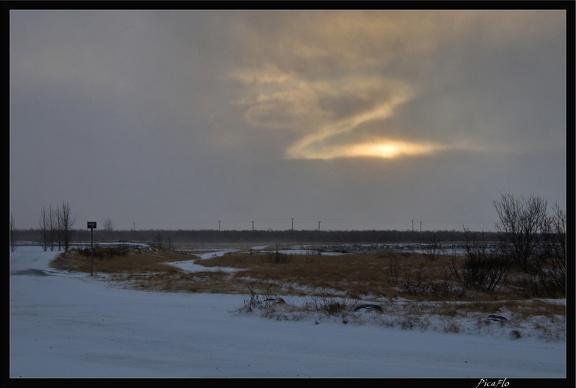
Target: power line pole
{"x":252,"y":225}
{"x":292,"y":224}
{"x":319,"y":225}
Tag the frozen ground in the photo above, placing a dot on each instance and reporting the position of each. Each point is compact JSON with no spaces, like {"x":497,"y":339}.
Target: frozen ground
{"x":66,"y":324}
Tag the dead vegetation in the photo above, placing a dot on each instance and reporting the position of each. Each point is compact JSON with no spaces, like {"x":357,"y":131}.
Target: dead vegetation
{"x":389,"y":289}
{"x":357,"y":276}
{"x":115,"y":260}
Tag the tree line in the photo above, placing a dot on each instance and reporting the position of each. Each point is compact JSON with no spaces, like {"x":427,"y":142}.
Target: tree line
{"x":210,"y":236}
{"x":530,"y":236}
{"x":55,"y":228}
{"x":526,"y":229}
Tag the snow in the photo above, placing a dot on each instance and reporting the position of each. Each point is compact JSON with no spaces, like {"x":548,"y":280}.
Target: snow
{"x":66,"y":324}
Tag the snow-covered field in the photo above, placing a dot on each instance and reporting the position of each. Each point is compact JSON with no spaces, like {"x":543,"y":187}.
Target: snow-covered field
{"x":400,"y":312}
{"x":65,"y":324}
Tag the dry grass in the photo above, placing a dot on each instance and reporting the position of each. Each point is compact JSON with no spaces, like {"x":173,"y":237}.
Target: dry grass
{"x":406,"y":288}
{"x":381,"y":274}
{"x":156,"y":260}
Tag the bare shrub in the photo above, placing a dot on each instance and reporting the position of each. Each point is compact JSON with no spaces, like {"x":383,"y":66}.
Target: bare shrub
{"x":544,"y":281}
{"x":483,"y":269}
{"x":260,"y":300}
{"x":547,"y":269}
{"x":394,"y":268}
{"x":445,"y":288}
{"x":433,"y":249}
{"x":277,"y":257}
{"x":485,"y":273}
{"x":104,"y":252}
{"x":332,"y":306}
{"x":413,"y":282}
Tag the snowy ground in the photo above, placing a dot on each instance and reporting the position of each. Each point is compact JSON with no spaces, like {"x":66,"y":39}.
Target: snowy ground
{"x":75,"y":325}
{"x":400,"y":312}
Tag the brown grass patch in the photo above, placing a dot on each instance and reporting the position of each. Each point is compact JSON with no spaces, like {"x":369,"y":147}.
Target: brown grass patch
{"x":133,"y":262}
{"x":357,"y":276}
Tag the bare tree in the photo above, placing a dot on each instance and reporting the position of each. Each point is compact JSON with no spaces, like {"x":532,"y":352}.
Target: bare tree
{"x":521,"y":222}
{"x":549,"y":276}
{"x":53,"y":222}
{"x":554,"y":233}
{"x":44,"y":222}
{"x":57,"y":218}
{"x":65,"y":222}
{"x":108,"y":226}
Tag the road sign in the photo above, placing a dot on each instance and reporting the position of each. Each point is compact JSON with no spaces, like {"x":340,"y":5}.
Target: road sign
{"x":91,"y":226}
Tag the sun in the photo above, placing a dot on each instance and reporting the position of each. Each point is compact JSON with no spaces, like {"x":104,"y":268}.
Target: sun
{"x":380,"y":149}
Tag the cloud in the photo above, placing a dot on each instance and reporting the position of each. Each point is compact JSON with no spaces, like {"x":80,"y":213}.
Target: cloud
{"x":340,"y":83}
{"x":367,"y":110}
{"x":262,"y":113}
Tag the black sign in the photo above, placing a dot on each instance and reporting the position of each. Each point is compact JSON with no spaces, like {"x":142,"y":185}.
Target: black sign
{"x":91,"y":225}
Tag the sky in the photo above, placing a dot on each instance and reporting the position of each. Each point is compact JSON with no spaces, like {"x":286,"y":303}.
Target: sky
{"x":233,"y":119}
{"x":76,"y":325}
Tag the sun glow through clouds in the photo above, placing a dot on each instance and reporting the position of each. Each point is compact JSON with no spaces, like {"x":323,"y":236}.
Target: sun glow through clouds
{"x":382,"y":149}
{"x":330,"y":86}
{"x":390,"y":149}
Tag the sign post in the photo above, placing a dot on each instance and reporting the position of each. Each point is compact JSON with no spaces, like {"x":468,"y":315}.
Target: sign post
{"x":91,"y":226}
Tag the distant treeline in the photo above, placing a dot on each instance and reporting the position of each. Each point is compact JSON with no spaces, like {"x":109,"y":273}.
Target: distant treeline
{"x":262,"y":236}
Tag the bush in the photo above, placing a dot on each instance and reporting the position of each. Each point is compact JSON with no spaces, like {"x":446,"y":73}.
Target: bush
{"x":483,"y":269}
{"x":104,"y":252}
{"x":332,"y":306}
{"x":260,"y":301}
{"x":277,"y":258}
